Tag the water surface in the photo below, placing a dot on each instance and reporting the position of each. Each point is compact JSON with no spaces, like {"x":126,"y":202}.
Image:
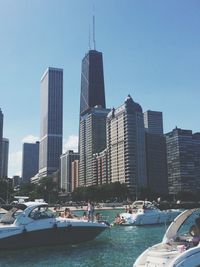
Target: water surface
{"x":117,"y":247}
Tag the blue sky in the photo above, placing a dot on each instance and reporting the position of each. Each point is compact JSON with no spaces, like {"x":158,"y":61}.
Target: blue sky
{"x":151,"y":50}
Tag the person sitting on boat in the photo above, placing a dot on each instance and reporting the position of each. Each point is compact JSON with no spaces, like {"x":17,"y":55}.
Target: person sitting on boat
{"x":195,"y":231}
{"x":119,"y":219}
{"x":98,"y":216}
{"x":68,"y":214}
{"x":84,"y":217}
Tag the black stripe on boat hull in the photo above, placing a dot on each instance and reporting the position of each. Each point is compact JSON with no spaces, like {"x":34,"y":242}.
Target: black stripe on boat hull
{"x":50,"y":237}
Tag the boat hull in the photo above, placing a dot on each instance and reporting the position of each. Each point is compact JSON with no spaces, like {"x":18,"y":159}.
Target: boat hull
{"x":149,"y":218}
{"x":50,"y":237}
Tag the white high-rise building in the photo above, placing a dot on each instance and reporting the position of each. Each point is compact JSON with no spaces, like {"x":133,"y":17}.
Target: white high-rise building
{"x":126,"y":145}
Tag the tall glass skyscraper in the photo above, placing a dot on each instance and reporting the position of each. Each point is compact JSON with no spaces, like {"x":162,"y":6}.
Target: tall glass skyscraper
{"x":51,"y":121}
{"x":92,"y":82}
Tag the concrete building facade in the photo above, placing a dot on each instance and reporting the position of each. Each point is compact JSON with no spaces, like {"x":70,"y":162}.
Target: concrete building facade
{"x":92,"y":140}
{"x":126,"y":146}
{"x":66,"y":170}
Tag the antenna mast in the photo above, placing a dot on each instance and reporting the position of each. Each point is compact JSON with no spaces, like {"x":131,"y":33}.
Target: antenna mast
{"x":89,"y":44}
{"x":94,"y":42}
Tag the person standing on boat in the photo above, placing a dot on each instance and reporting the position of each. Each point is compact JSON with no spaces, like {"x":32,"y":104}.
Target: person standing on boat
{"x":90,"y":211}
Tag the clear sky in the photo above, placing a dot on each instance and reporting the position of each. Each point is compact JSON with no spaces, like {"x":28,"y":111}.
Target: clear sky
{"x":151,"y":50}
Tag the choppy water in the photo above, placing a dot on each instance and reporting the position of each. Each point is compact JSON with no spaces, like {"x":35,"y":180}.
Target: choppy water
{"x":117,"y":247}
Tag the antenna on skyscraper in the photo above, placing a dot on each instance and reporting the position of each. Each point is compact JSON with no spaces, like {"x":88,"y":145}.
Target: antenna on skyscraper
{"x":89,"y":42}
{"x":94,"y":42}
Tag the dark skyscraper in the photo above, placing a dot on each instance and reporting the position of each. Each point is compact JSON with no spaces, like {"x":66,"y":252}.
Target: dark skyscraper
{"x":30,"y":161}
{"x":5,"y":150}
{"x":92,"y":82}
{"x":155,"y":152}
{"x":183,"y":161}
{"x":51,"y":121}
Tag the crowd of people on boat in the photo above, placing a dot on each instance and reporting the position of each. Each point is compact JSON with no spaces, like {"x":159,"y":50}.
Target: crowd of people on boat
{"x":88,"y":215}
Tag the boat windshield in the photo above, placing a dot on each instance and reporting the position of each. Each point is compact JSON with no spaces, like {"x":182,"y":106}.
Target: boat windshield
{"x":10,"y":216}
{"x":41,"y":213}
{"x":188,"y":223}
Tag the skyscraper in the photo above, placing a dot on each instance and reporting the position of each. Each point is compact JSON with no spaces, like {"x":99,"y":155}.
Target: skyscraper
{"x":5,"y":149}
{"x":92,"y":128}
{"x":1,"y":139}
{"x":51,"y":128}
{"x":92,"y":140}
{"x":92,"y":82}
{"x":30,"y":161}
{"x":153,"y":122}
{"x":126,"y":145}
{"x":155,"y":152}
{"x":183,"y":161}
{"x":66,"y":169}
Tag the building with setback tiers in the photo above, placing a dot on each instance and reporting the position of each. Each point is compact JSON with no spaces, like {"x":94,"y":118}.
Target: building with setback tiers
{"x":183,"y":161}
{"x":126,"y":145}
{"x":51,"y":127}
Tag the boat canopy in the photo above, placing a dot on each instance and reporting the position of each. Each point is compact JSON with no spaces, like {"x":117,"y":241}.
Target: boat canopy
{"x":172,"y":230}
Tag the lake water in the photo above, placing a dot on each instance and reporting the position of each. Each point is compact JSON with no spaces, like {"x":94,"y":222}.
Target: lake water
{"x":116,"y":247}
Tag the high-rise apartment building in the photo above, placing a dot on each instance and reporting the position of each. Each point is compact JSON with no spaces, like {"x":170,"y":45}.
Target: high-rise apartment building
{"x":75,"y":174}
{"x":126,"y":145}
{"x":92,"y":82}
{"x":183,"y":161}
{"x":30,"y":161}
{"x":92,"y":140}
{"x":1,"y":139}
{"x":5,"y":150}
{"x":153,"y":122}
{"x":66,"y":170}
{"x":100,"y":167}
{"x":155,"y":152}
{"x":51,"y":132}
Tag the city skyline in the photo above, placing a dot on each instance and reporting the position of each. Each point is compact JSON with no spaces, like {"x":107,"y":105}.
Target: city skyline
{"x":150,"y":50}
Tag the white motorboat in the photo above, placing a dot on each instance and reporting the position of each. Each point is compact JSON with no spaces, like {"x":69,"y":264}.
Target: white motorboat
{"x":145,"y":212}
{"x":178,"y":248}
{"x":37,"y":225}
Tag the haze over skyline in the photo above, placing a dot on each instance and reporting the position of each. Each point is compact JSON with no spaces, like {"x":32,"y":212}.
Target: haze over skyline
{"x":150,"y":51}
